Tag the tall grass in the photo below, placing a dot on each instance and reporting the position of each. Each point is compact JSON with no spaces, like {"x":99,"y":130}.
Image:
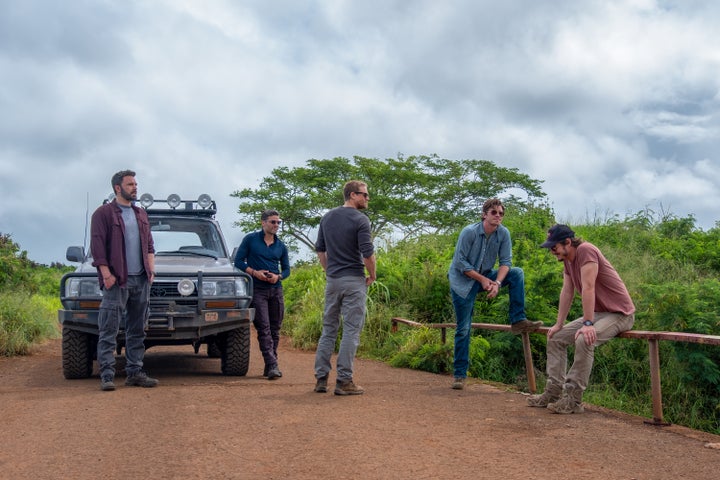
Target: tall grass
{"x":26,"y":319}
{"x":304,"y":298}
{"x":28,"y":299}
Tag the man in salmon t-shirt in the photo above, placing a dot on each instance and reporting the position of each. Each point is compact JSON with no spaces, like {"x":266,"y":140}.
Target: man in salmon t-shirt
{"x":608,"y":311}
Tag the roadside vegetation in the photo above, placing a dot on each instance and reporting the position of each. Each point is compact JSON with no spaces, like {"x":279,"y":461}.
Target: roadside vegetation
{"x":418,"y":207}
{"x":28,"y":299}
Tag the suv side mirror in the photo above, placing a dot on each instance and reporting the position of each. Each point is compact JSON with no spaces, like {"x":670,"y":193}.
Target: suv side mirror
{"x":75,"y":254}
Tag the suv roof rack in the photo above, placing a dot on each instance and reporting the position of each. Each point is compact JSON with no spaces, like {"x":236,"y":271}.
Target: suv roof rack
{"x":186,"y":207}
{"x":202,"y":206}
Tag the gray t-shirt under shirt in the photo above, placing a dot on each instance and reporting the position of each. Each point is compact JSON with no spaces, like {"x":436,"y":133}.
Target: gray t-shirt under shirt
{"x":133,"y":253}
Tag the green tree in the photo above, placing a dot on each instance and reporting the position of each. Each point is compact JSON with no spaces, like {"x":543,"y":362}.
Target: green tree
{"x":14,"y":264}
{"x":410,"y":196}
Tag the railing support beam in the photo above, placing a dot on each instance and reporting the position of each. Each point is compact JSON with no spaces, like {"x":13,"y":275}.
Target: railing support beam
{"x":529,"y":367}
{"x":655,"y":387}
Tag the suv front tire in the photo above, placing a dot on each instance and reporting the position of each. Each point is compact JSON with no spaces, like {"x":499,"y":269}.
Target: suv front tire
{"x":235,"y":358}
{"x":77,"y":353}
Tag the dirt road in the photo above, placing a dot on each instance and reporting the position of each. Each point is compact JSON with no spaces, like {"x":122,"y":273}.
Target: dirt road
{"x":408,"y":425}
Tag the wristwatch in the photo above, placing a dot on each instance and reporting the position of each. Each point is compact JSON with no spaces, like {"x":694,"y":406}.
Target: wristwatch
{"x":588,"y":323}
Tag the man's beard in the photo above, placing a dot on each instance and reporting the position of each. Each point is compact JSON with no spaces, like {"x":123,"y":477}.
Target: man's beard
{"x":127,"y":196}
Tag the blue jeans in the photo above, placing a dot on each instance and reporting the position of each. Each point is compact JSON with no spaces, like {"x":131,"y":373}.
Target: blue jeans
{"x":269,"y":305}
{"x":464,"y":308}
{"x":133,"y":300}
{"x":343,"y":296}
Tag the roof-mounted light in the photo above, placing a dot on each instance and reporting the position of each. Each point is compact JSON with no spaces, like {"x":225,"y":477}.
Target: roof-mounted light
{"x":204,"y":200}
{"x":204,"y":205}
{"x":173,"y":200}
{"x":146,"y":200}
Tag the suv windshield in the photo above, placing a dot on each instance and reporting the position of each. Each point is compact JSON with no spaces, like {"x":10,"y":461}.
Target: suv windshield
{"x":174,"y":236}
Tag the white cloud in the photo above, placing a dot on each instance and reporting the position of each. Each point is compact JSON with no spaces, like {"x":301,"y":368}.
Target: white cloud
{"x":612,"y":104}
{"x":677,"y":127}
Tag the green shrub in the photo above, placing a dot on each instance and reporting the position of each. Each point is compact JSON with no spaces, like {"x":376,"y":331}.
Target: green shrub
{"x":24,"y":320}
{"x":421,"y":349}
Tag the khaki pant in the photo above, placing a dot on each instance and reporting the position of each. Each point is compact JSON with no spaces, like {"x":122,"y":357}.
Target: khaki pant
{"x":607,"y":326}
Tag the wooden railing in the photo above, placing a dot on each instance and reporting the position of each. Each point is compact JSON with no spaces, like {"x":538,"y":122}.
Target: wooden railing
{"x":653,"y":339}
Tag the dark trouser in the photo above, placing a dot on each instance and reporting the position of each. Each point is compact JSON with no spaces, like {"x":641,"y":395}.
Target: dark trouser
{"x":269,"y":305}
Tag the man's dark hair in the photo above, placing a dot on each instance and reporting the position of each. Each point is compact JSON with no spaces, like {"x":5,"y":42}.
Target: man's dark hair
{"x":268,"y":213}
{"x":576,"y":241}
{"x":492,"y":203}
{"x":118,"y":177}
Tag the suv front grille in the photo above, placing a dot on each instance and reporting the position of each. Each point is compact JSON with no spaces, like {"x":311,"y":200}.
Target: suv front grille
{"x":167,"y":290}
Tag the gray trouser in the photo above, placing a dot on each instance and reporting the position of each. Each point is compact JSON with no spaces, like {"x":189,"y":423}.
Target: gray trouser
{"x":343,"y":296}
{"x":133,"y":299}
{"x":607,"y":326}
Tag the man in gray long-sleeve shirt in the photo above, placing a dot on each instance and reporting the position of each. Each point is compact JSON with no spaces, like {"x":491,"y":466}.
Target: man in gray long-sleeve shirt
{"x":345,"y":250}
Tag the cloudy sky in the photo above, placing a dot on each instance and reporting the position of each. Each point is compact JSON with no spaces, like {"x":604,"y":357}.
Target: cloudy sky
{"x":613,"y":104}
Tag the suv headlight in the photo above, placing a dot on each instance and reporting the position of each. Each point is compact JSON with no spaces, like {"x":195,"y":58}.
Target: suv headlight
{"x":224,"y":287}
{"x":82,"y":287}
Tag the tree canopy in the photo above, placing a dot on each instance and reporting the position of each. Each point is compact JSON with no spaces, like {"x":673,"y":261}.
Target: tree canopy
{"x":410,"y":196}
{"x":14,"y":264}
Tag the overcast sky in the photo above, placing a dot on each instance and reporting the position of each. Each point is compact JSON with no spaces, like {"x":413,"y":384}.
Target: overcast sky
{"x":613,"y":104}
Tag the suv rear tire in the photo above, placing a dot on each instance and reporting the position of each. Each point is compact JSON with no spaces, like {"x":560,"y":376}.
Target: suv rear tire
{"x":213,"y":350}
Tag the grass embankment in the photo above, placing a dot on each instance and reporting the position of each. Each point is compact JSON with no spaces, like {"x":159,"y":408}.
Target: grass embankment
{"x":26,"y":319}
{"x":28,"y":299}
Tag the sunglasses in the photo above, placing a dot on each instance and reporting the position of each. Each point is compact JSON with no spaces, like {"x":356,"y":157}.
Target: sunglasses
{"x":497,"y":212}
{"x":364,"y":194}
{"x":274,"y":222}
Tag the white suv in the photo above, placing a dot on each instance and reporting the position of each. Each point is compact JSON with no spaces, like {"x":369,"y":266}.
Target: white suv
{"x":198,"y":296}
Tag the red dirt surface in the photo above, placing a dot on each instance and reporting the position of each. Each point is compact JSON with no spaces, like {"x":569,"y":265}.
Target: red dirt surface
{"x":408,"y":425}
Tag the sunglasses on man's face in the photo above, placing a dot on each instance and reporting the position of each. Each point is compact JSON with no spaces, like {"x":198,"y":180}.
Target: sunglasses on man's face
{"x":274,"y":222}
{"x":494,"y":212}
{"x":364,"y":194}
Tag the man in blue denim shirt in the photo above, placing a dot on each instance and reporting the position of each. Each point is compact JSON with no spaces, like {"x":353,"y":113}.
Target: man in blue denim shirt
{"x":478,"y":248}
{"x":265,"y":257}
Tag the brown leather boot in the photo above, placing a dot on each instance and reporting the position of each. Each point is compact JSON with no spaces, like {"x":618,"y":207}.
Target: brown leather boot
{"x":551,"y":394}
{"x":570,"y":402}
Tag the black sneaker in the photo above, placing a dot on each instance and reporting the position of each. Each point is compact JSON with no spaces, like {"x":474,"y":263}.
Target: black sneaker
{"x":273,"y":373}
{"x":276,"y":374}
{"x":107,"y":385}
{"x":140,"y":379}
{"x":321,"y":385}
